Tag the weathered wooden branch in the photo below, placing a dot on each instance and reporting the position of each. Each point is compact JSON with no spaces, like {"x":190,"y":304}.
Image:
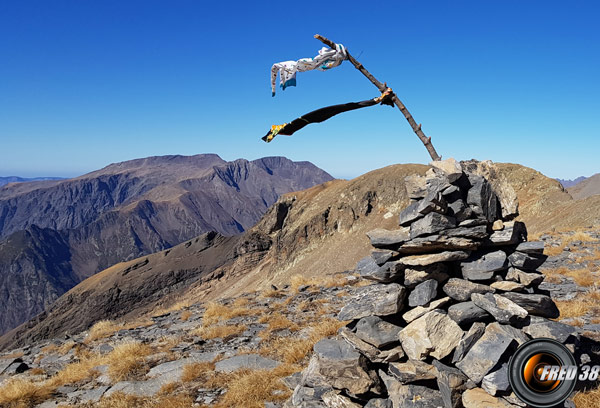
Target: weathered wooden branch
{"x":416,"y":128}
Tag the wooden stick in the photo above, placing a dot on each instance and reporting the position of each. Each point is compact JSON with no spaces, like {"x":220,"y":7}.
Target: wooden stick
{"x":416,"y":128}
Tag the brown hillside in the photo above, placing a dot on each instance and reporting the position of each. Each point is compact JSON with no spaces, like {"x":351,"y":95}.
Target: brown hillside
{"x":587,"y":188}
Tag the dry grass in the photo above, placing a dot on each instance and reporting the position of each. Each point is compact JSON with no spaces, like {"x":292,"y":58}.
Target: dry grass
{"x":220,"y":331}
{"x":127,"y":360}
{"x":566,"y":240}
{"x":216,"y":312}
{"x":185,"y":315}
{"x":583,"y":277}
{"x":299,"y":280}
{"x":278,"y":321}
{"x":101,"y":330}
{"x":78,"y":371}
{"x":120,"y":400}
{"x":16,"y":354}
{"x":166,"y":343}
{"x":272,"y":293}
{"x":587,"y":399}
{"x":580,"y":305}
{"x":252,"y":388}
{"x":195,"y":371}
{"x":295,"y":350}
{"x":21,"y":393}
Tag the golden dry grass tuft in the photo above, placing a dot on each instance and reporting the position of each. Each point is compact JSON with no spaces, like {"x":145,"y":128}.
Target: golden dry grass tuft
{"x":588,"y":302}
{"x":587,"y":399}
{"x":216,"y":312}
{"x":278,"y":321}
{"x":583,"y":277}
{"x":252,"y":388}
{"x":22,"y":393}
{"x":219,"y":331}
{"x":77,"y":371}
{"x":102,"y":329}
{"x":127,"y":360}
{"x":185,"y":315}
{"x":195,"y":371}
{"x":120,"y":400}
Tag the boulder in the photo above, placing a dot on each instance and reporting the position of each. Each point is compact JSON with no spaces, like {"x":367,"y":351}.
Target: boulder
{"x":466,"y":312}
{"x":423,"y":293}
{"x":467,"y":341}
{"x":459,"y":210}
{"x":482,"y":199}
{"x":374,"y":300}
{"x":450,"y":168}
{"x":430,"y":224}
{"x":482,"y":266}
{"x":388,"y":272}
{"x":461,"y":290}
{"x":412,"y":371}
{"x":370,"y":351}
{"x":507,"y":286}
{"x":535,"y":304}
{"x":433,"y":202}
{"x":451,"y":383}
{"x":379,"y":403}
{"x":430,"y":259}
{"x":502,"y":309}
{"x":419,"y":311}
{"x":512,"y":233}
{"x":433,"y":334}
{"x":416,"y":186}
{"x":376,"y":331}
{"x":541,"y":327}
{"x":382,"y":238}
{"x":381,"y":256}
{"x":410,"y":214}
{"x":478,"y":398}
{"x":496,"y":380}
{"x":343,"y":367}
{"x":486,"y":352}
{"x":414,"y":396}
{"x":532,"y":247}
{"x":528,"y":262}
{"x":433,"y":243}
{"x":524,"y":278}
{"x":415,"y":274}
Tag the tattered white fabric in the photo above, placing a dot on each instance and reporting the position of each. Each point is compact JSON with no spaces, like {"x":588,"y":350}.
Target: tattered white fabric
{"x":328,"y":58}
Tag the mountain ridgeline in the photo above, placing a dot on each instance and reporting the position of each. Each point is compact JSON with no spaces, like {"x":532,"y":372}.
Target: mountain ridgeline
{"x":55,"y":233}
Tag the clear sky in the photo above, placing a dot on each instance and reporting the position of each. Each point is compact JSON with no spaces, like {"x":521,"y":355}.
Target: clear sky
{"x":87,"y":83}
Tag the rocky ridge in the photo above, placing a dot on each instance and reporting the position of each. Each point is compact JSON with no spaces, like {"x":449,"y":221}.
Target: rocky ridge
{"x":457,"y":290}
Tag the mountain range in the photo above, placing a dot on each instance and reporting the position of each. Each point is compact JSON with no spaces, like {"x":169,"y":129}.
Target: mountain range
{"x":15,"y":179}
{"x":308,"y":233}
{"x":56,"y":233}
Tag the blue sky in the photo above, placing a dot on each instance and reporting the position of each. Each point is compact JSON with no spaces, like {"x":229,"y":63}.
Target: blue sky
{"x":87,"y":83}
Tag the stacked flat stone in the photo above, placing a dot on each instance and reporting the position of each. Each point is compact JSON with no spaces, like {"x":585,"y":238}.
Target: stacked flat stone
{"x":455,"y":293}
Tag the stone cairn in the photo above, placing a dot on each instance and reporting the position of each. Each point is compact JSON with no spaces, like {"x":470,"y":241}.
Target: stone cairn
{"x":455,"y":293}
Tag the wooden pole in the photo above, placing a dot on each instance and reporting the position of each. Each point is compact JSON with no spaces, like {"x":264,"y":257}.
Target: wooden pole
{"x":415,"y":127}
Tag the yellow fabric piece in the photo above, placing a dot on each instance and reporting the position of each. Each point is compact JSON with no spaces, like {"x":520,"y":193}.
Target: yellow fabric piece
{"x":274,"y":131}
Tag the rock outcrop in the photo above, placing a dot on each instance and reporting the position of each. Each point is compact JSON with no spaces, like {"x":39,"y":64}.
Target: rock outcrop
{"x":455,"y":292}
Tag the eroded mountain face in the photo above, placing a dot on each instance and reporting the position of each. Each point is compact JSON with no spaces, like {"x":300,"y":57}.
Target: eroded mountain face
{"x":124,"y":211}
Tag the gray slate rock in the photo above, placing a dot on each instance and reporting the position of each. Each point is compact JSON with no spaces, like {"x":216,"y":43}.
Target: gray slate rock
{"x":414,"y":396}
{"x":482,"y":199}
{"x":249,"y":361}
{"x":432,"y":202}
{"x":451,"y":383}
{"x":410,"y":214}
{"x":524,"y":278}
{"x":381,"y":256}
{"x":461,"y":289}
{"x":496,"y":380}
{"x":502,"y":309}
{"x":412,"y":371}
{"x":388,"y":272}
{"x":379,"y":403}
{"x":415,"y":274}
{"x":382,"y":238}
{"x":467,"y":341}
{"x":541,"y":327}
{"x":432,"y":334}
{"x":430,"y":224}
{"x":535,"y":304}
{"x":466,"y":312}
{"x":512,"y":233}
{"x":531,"y":247}
{"x":374,"y":300}
{"x":486,"y":352}
{"x":460,"y":210}
{"x":423,"y":293}
{"x":344,"y":367}
{"x":430,"y":259}
{"x":376,"y":331}
{"x":528,"y":262}
{"x":482,"y":266}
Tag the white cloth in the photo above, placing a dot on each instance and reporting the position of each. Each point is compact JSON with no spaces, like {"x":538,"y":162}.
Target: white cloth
{"x":328,"y":58}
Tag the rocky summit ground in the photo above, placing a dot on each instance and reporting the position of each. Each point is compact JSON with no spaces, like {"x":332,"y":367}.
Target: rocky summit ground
{"x":247,"y":351}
